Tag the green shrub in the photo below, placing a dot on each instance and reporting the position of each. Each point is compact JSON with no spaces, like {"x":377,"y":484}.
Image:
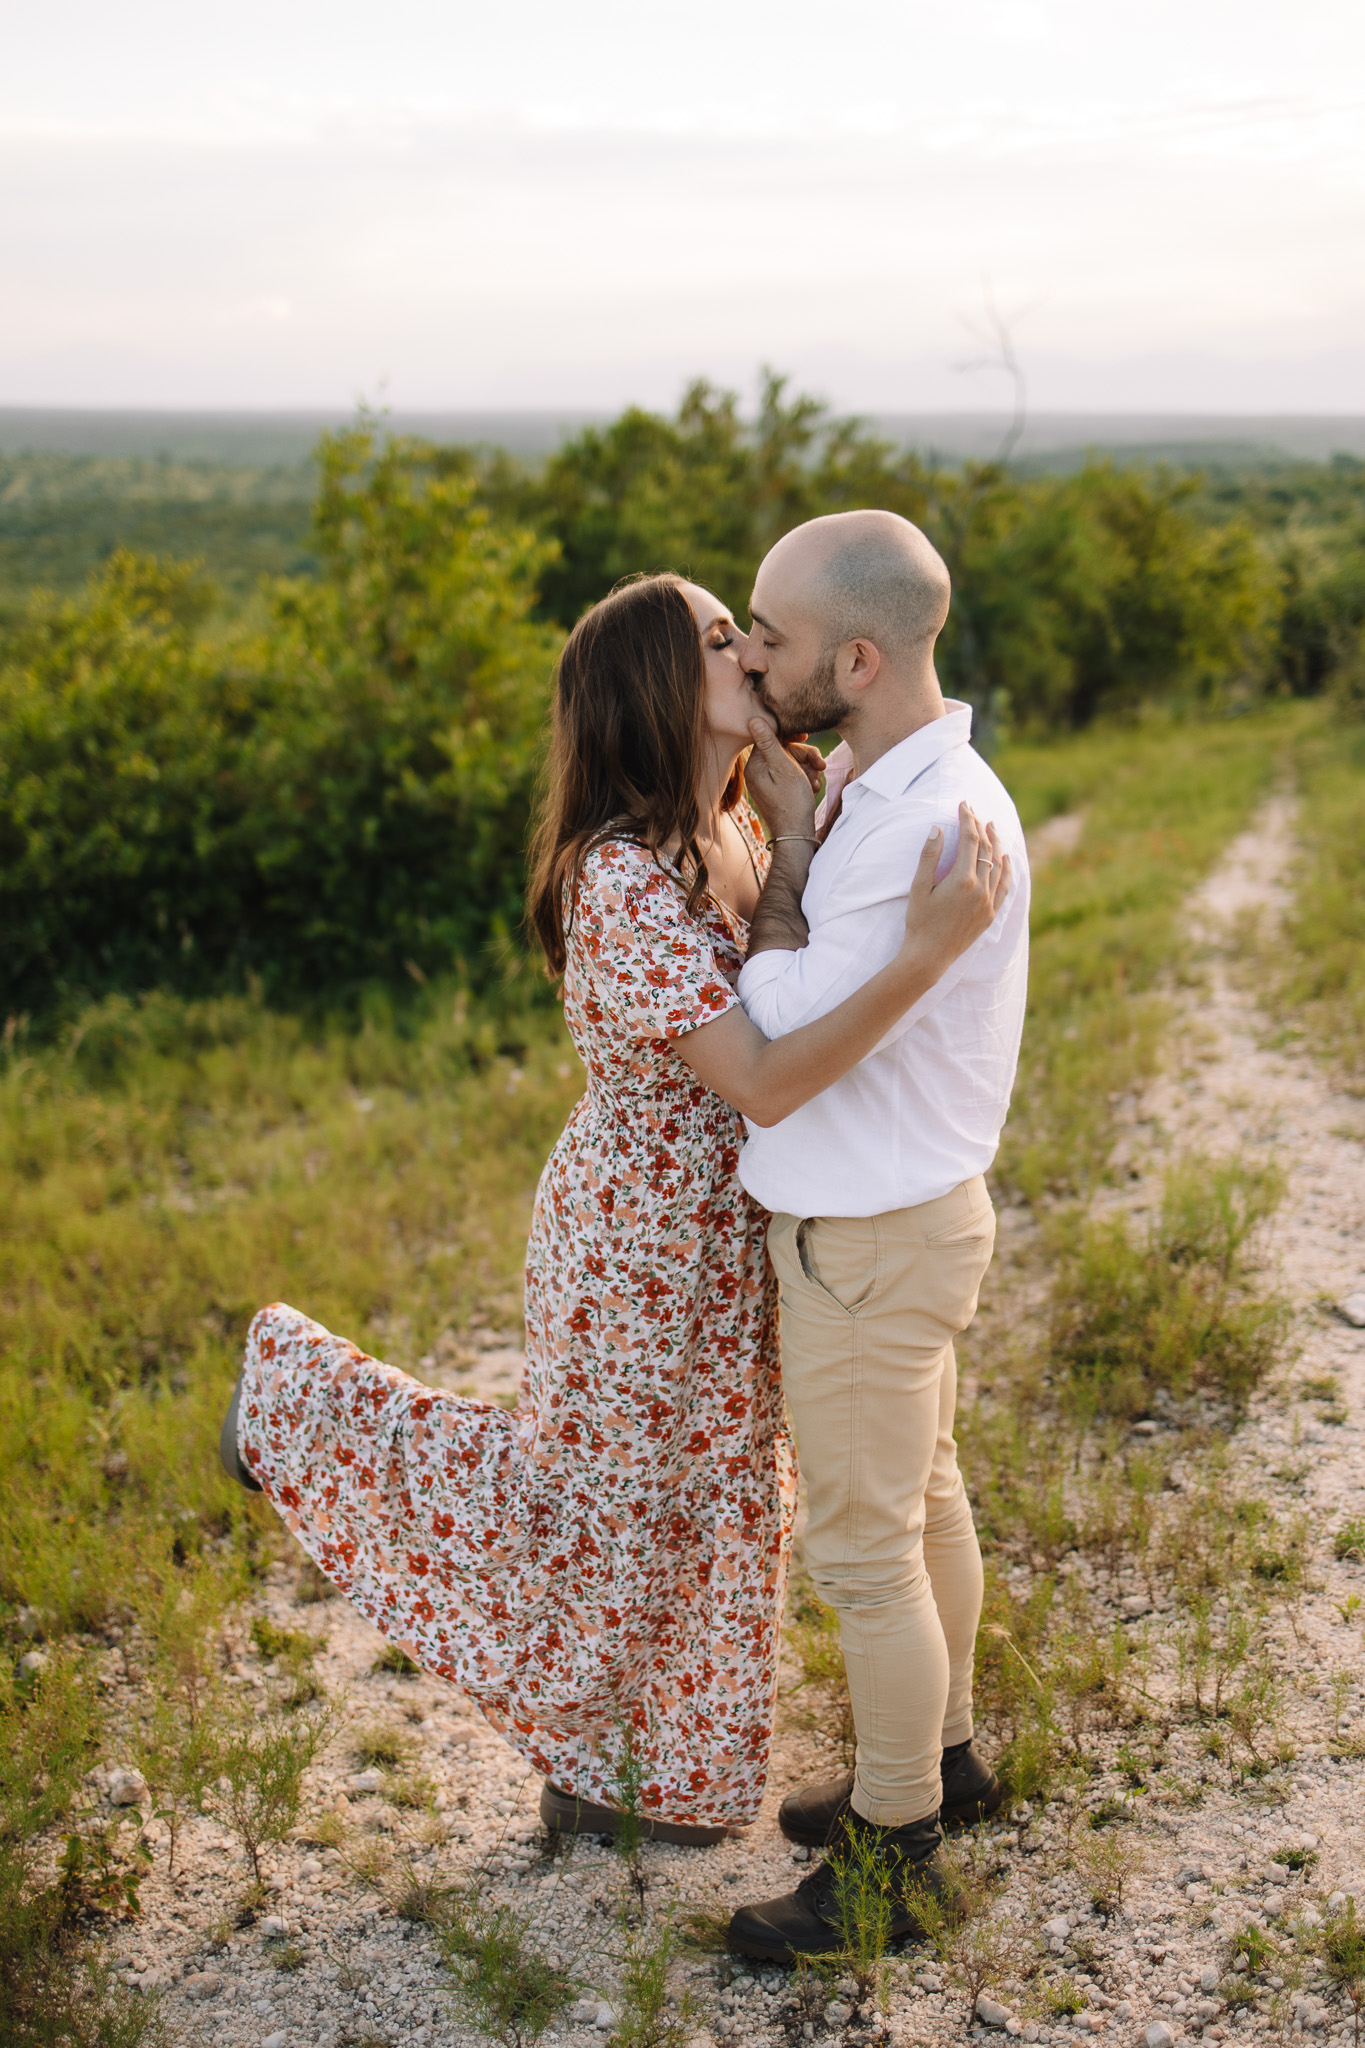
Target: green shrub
{"x":340,"y":798}
{"x":1074,"y":595}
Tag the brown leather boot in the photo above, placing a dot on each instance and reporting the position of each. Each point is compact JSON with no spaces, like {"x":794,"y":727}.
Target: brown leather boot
{"x":814,"y":1919}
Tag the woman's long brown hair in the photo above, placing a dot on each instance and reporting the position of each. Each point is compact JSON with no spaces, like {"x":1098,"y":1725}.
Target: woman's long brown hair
{"x":626,"y":746}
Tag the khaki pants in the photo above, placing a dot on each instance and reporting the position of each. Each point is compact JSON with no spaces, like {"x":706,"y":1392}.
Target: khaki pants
{"x":870,"y":1306}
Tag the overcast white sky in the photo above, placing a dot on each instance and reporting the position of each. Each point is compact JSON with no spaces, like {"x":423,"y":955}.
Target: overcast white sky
{"x":302,"y":202}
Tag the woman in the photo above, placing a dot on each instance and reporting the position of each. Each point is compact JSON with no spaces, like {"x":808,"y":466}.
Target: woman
{"x":603,"y":1570}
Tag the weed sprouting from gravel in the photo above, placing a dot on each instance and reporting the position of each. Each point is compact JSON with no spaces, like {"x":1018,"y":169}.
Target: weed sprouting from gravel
{"x":258,"y":1785}
{"x":502,"y":1986}
{"x":959,"y":1922}
{"x":369,"y":1860}
{"x":422,"y":1901}
{"x":1256,"y":1946}
{"x":292,"y":1644}
{"x":412,"y":1790}
{"x":380,"y":1747}
{"x":1237,"y":1994}
{"x":1064,"y":1996}
{"x":628,"y":1778}
{"x":1109,"y":1862}
{"x":1342,"y":1682}
{"x":292,"y":1651}
{"x":651,"y":2012}
{"x":178,"y":1751}
{"x":1340,"y":1943}
{"x":864,"y":1906}
{"x":706,"y":1932}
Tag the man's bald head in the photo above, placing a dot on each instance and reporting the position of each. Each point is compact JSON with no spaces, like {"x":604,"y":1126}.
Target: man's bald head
{"x":863,"y":576}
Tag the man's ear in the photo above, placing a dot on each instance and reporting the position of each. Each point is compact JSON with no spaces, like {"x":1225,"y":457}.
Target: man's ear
{"x":863,"y":662}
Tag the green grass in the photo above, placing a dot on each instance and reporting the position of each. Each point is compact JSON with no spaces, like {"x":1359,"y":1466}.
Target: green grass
{"x":170,"y":1167}
{"x":1173,"y":1310}
{"x":1160,"y":801}
{"x":1321,"y":979}
{"x":166,"y":1167}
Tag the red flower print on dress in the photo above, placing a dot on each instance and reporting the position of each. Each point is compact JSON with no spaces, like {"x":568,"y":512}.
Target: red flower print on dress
{"x":592,"y":1556}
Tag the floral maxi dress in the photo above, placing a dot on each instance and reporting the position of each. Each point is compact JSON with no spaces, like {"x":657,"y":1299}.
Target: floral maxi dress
{"x":607,"y":1563}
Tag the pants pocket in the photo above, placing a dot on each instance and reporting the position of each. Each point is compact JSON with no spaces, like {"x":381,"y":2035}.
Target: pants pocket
{"x":840,"y":1256}
{"x":978,"y":1228}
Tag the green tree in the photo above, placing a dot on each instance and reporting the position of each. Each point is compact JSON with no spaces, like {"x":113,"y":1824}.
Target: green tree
{"x":340,"y":797}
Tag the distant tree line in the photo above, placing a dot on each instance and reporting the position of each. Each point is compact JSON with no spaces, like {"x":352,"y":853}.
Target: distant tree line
{"x":62,"y":517}
{"x":335,"y":789}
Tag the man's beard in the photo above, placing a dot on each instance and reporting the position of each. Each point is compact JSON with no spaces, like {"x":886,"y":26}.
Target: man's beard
{"x":814,"y":705}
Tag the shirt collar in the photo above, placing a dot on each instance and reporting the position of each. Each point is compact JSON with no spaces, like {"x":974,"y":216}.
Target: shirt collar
{"x":892,"y":773}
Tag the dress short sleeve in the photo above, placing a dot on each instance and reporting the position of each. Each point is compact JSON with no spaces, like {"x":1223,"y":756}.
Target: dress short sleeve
{"x":652,"y":965}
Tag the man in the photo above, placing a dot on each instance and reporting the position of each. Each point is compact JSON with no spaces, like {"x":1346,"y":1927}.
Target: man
{"x":882,"y":1227}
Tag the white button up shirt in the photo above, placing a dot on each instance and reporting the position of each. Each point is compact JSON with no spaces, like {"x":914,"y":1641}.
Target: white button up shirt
{"x":924,"y":1111}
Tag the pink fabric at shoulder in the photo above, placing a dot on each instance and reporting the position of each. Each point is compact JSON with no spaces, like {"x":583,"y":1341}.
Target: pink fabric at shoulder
{"x":653,"y":965}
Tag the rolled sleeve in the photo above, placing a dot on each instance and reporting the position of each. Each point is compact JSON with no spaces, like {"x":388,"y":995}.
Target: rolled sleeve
{"x":761,"y":988}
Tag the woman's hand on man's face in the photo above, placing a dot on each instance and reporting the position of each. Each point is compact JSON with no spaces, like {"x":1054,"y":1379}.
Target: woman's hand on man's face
{"x":782,"y":781}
